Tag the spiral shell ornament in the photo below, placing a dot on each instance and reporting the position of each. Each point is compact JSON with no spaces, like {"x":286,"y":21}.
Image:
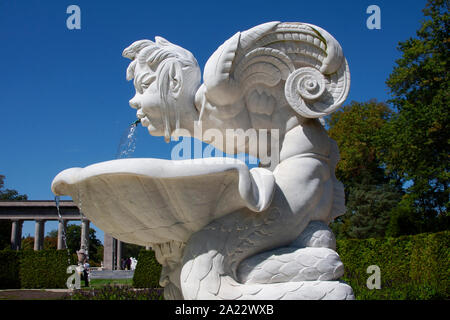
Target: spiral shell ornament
{"x":307,"y":83}
{"x":312,"y":94}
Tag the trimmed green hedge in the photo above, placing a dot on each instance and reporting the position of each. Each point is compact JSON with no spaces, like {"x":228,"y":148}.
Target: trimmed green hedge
{"x":34,"y":269}
{"x":412,"y":267}
{"x":148,"y":270}
{"x":9,"y":269}
{"x":44,"y":269}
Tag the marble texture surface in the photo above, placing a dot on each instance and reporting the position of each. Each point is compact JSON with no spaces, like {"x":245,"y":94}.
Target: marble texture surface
{"x":220,"y":230}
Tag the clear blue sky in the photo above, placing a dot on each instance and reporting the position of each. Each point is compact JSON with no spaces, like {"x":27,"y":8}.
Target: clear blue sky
{"x":63,"y":93}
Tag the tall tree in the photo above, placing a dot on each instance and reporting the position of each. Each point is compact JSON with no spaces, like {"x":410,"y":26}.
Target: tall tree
{"x":370,"y":193}
{"x":9,"y":194}
{"x":27,"y":243}
{"x":369,"y":211}
{"x":356,"y":128}
{"x":131,"y":250}
{"x":73,"y":239}
{"x":5,"y":225}
{"x":417,"y":147}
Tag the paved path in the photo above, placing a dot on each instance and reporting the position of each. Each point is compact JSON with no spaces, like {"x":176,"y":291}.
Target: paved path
{"x":33,"y":294}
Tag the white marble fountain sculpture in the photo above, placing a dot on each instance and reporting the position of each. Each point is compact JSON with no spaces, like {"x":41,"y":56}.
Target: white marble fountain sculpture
{"x":220,"y":230}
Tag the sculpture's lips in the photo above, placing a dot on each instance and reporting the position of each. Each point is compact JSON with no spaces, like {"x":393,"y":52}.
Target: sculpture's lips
{"x":145,"y":121}
{"x":140,"y":114}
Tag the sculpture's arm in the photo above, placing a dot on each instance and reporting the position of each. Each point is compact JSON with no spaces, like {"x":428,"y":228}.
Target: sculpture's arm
{"x":305,"y":183}
{"x":256,"y":187}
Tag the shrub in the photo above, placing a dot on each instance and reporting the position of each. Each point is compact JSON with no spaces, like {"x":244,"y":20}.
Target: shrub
{"x":412,"y":267}
{"x":44,"y":269}
{"x":148,"y":270}
{"x":430,"y":264}
{"x":9,"y":269}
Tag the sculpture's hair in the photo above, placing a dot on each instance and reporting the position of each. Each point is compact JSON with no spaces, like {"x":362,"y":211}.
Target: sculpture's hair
{"x":161,"y":55}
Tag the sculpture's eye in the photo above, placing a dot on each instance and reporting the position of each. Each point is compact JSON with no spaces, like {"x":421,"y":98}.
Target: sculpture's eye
{"x":147,"y":80}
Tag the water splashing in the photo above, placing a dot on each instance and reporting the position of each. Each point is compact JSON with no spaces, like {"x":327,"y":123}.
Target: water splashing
{"x":79,"y":199}
{"x":127,"y":143}
{"x":126,"y":147}
{"x":60,"y":219}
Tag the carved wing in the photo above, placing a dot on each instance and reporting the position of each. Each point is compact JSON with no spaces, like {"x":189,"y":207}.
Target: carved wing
{"x":276,"y":64}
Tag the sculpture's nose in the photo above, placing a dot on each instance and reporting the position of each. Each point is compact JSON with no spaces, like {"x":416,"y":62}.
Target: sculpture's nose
{"x":134,"y":104}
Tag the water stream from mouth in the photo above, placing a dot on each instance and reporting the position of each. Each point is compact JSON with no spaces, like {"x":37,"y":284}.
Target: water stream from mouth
{"x":60,"y":219}
{"x":126,"y":147}
{"x":127,"y":143}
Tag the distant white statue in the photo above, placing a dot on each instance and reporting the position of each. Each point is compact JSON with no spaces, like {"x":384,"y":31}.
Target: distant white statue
{"x":220,"y":230}
{"x":133,"y":263}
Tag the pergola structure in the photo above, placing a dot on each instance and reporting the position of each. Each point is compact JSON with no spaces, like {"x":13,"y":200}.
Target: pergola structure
{"x":41,"y":211}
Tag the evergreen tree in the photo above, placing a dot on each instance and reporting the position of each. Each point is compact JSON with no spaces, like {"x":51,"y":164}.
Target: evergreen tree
{"x":369,"y":210}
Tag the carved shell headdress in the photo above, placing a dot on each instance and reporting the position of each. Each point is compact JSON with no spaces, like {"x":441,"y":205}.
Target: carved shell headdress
{"x":306,"y":58}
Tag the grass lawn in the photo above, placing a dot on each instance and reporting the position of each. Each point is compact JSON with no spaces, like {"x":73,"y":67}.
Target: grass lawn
{"x":36,"y":294}
{"x":97,"y":283}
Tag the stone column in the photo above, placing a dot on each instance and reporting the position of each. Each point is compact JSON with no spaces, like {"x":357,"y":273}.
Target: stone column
{"x":85,"y":235}
{"x":148,"y":248}
{"x":39,"y":235}
{"x":119,"y":255}
{"x":61,"y":231}
{"x":108,"y":252}
{"x":16,"y":234}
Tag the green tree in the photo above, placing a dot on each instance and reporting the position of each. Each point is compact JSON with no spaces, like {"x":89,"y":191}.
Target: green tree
{"x":356,"y":128}
{"x":371,"y":194}
{"x":9,"y":194}
{"x":369,"y":210}
{"x":50,"y":242}
{"x":73,"y":239}
{"x":27,"y":243}
{"x":131,"y":250}
{"x":417,"y":137}
{"x":5,"y":225}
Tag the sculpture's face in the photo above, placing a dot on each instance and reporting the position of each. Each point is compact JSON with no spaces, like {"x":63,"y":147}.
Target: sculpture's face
{"x":147,"y":100}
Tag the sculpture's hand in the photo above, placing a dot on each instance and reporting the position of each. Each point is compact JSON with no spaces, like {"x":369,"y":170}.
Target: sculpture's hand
{"x":257,"y":188}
